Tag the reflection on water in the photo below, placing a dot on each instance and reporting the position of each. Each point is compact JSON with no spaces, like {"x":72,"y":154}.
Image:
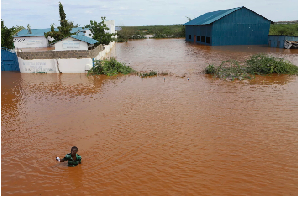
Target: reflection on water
{"x":147,"y":136}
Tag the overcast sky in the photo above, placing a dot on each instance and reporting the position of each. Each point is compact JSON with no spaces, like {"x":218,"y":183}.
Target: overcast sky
{"x":42,"y":13}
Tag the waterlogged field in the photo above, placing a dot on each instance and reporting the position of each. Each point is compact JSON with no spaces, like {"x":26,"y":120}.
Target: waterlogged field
{"x":161,"y":135}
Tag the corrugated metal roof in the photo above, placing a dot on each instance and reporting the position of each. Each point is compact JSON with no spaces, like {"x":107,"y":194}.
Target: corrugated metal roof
{"x":81,"y":33}
{"x":85,"y":39}
{"x":78,"y":29}
{"x":40,"y":32}
{"x":118,"y":28}
{"x":211,"y":17}
{"x":34,"y":32}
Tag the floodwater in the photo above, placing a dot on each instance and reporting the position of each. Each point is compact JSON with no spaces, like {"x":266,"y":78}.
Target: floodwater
{"x":164,"y":135}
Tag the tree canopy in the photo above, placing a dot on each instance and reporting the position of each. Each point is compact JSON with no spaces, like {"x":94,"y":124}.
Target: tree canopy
{"x":7,"y":36}
{"x":99,"y":34}
{"x":64,"y":30}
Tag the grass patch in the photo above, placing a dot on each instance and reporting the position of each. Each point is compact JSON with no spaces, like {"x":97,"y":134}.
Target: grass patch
{"x":109,"y":67}
{"x":151,"y":73}
{"x":259,"y":64}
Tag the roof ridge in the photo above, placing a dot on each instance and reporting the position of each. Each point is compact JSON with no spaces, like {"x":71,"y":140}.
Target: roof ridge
{"x":211,"y":17}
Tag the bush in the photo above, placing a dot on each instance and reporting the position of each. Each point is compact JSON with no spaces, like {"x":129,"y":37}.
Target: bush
{"x":257,"y":65}
{"x":151,"y":73}
{"x":210,"y":69}
{"x":262,"y":64}
{"x":109,"y":67}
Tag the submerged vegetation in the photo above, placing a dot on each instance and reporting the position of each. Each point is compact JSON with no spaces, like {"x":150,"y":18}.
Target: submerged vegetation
{"x":259,"y":64}
{"x":109,"y":67}
{"x":151,"y":73}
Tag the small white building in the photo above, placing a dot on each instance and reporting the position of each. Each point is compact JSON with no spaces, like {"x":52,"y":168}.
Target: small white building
{"x":75,"y":42}
{"x":36,"y":38}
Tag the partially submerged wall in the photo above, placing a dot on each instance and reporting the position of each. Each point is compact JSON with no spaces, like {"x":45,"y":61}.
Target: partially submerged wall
{"x":55,"y":65}
{"x":61,"y":54}
{"x":72,"y":61}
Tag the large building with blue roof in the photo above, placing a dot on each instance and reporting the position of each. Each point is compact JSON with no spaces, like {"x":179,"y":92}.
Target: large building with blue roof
{"x":237,"y":26}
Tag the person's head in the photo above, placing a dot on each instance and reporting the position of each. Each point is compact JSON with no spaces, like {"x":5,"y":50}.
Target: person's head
{"x":74,"y":150}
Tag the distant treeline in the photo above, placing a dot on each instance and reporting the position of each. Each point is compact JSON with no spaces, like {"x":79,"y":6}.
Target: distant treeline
{"x":158,"y":31}
{"x":178,"y":31}
{"x":284,"y":29}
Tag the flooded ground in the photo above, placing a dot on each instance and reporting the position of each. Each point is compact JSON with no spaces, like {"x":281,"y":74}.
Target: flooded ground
{"x":162,"y":135}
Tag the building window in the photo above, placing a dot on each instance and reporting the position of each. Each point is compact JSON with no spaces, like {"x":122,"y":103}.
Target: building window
{"x":198,"y":38}
{"x":202,"y":38}
{"x":208,"y":40}
{"x":190,"y":36}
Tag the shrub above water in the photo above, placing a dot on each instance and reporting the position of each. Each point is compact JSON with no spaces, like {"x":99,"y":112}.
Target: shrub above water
{"x":258,"y":64}
{"x":109,"y":67}
{"x":262,"y":64}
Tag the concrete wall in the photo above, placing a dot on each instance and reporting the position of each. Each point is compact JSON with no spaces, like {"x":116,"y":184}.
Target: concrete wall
{"x":70,"y":44}
{"x":55,"y":65}
{"x":106,"y":50}
{"x":30,"y":42}
{"x":111,"y":25}
{"x":58,"y":61}
{"x":61,"y":54}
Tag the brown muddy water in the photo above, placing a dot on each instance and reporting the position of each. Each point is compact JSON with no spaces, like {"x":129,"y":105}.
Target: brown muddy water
{"x":162,"y":135}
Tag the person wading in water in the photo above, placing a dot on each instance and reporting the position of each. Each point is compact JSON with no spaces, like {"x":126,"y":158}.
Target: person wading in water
{"x":73,"y":158}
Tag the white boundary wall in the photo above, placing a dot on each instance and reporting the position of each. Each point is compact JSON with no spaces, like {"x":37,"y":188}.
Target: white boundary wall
{"x":72,"y":65}
{"x":106,"y":50}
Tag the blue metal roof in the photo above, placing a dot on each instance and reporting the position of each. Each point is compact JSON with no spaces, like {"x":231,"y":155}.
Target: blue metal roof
{"x":118,"y":28}
{"x":211,"y":17}
{"x":85,"y":39}
{"x":78,"y":29}
{"x":34,"y":32}
{"x":40,"y":32}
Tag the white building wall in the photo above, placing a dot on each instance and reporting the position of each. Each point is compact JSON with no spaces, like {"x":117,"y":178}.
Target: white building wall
{"x":72,"y":65}
{"x":70,"y":44}
{"x":88,"y":33}
{"x":30,"y":42}
{"x":111,"y":25}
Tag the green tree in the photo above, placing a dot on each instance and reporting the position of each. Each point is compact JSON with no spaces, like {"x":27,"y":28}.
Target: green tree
{"x":29,"y":29}
{"x":99,"y":34}
{"x":64,"y":30}
{"x":125,"y":34}
{"x":65,"y":26}
{"x":284,"y":29}
{"x":7,"y":36}
{"x":17,"y":29}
